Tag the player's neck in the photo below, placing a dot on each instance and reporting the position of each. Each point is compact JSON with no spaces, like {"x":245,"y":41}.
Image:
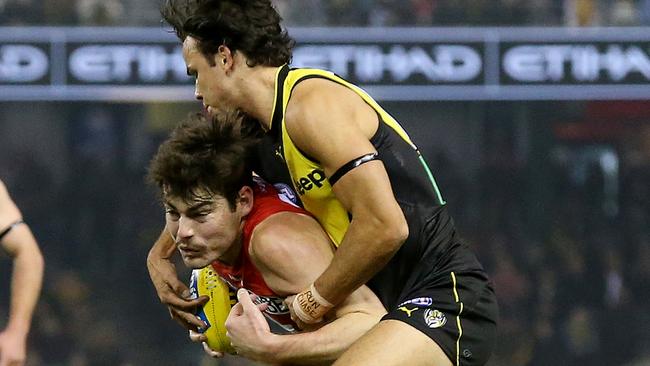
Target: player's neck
{"x":258,"y":94}
{"x":233,"y":255}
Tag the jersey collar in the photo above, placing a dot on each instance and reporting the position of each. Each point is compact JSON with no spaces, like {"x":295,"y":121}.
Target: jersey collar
{"x":278,"y":103}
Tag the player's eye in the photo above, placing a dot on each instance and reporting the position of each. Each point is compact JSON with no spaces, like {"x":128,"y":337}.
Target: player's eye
{"x":201,"y":215}
{"x":172,"y":215}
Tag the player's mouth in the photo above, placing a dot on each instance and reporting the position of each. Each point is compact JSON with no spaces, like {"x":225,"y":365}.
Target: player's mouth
{"x":188,"y":251}
{"x":209,"y":111}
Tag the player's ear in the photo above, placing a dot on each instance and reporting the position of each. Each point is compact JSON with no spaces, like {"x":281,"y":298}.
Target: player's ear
{"x":245,"y":200}
{"x":224,"y":57}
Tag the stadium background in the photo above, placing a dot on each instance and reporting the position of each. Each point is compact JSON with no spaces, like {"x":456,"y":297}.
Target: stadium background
{"x":547,"y":174}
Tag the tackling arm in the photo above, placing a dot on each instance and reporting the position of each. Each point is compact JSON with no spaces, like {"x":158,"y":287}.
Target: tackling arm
{"x":378,"y":226}
{"x":291,"y":250}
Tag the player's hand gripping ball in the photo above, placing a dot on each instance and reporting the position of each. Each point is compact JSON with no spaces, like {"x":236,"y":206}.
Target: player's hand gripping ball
{"x":206,"y":282}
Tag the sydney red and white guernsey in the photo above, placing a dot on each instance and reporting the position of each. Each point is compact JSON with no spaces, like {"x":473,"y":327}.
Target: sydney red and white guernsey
{"x":267,"y":201}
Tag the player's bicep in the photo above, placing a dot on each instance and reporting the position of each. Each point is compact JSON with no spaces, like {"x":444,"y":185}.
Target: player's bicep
{"x":330,"y":124}
{"x":291,"y":250}
{"x":336,"y":133}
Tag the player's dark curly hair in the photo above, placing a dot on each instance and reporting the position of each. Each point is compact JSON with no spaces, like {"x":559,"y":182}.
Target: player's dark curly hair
{"x":206,"y":154}
{"x":250,"y":26}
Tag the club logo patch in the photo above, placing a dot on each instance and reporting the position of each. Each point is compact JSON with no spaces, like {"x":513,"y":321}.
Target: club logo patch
{"x":286,"y":194}
{"x":434,"y":318}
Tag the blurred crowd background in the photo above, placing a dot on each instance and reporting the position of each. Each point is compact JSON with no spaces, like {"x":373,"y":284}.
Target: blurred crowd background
{"x":351,"y":12}
{"x":553,"y":196}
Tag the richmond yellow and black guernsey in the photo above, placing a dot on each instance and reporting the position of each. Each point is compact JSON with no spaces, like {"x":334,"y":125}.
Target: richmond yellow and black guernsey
{"x":432,"y":234}
{"x":434,"y":282}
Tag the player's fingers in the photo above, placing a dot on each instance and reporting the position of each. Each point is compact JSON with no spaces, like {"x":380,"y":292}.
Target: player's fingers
{"x":178,"y":286}
{"x":189,"y":320}
{"x":289,"y":301}
{"x":178,"y":320}
{"x":197,"y":336}
{"x":211,"y":352}
{"x":296,"y":319}
{"x":173,"y":300}
{"x":236,"y":310}
{"x":263,"y":306}
{"x":245,"y":300}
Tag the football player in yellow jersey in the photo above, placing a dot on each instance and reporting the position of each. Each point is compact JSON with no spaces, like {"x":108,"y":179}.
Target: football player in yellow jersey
{"x":357,"y":171}
{"x":17,"y":240}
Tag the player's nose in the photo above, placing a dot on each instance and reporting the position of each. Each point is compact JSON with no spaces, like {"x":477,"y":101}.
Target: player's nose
{"x":185,"y":228}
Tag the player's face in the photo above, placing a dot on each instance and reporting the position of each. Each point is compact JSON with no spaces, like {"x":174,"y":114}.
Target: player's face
{"x":210,"y":78}
{"x":206,"y":229}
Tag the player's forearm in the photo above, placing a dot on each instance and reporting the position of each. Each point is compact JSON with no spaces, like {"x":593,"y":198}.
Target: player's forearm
{"x":163,"y":248}
{"x":26,"y":285}
{"x":324,"y":345}
{"x":366,"y":248}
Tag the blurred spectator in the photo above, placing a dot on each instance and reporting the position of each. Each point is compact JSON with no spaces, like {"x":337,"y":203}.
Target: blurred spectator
{"x":302,"y":12}
{"x":355,"y":13}
{"x":644,"y":12}
{"x":423,"y":11}
{"x":623,"y":13}
{"x":20,"y":12}
{"x":586,"y":13}
{"x":60,"y":12}
{"x":99,"y":12}
{"x":351,"y":12}
{"x":580,"y":335}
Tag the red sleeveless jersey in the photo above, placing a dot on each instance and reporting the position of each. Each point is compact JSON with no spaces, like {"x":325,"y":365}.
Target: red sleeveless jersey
{"x":266,"y":202}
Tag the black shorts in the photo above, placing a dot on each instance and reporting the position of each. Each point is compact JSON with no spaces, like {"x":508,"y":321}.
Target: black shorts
{"x":458,"y":310}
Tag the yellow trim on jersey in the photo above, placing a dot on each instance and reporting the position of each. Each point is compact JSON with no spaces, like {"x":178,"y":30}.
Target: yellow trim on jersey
{"x":308,"y":176}
{"x":460,"y":328}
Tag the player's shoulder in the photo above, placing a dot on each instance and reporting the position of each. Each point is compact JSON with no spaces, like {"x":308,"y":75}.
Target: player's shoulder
{"x":271,"y":239}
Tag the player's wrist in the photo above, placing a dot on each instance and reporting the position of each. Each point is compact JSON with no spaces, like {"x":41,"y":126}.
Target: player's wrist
{"x":310,"y":306}
{"x":18,"y":328}
{"x":319,"y":298}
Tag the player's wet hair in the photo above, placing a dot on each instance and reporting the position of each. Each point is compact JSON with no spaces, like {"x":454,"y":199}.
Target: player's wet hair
{"x":250,"y":26}
{"x":206,"y":155}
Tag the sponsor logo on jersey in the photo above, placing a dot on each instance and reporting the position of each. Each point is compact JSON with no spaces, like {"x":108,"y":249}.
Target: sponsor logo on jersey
{"x":315,"y":178}
{"x":407,"y":310}
{"x":434,"y":318}
{"x":419,"y":301}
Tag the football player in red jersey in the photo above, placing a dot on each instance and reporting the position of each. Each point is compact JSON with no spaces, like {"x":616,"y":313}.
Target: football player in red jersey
{"x":17,"y":240}
{"x":218,"y":214}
